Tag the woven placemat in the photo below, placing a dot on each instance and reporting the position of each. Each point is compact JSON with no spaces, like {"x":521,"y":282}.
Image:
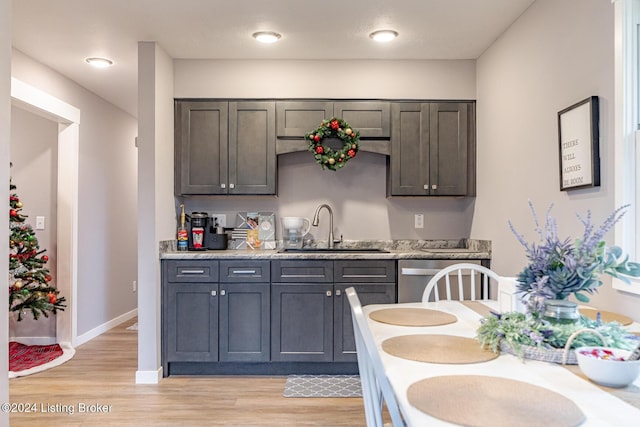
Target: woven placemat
{"x":483,"y":401}
{"x":606,"y":316}
{"x":412,"y":317}
{"x":446,"y":349}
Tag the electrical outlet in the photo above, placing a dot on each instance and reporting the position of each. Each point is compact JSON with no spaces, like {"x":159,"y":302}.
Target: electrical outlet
{"x":222,"y":219}
{"x":135,"y":286}
{"x":418,"y":220}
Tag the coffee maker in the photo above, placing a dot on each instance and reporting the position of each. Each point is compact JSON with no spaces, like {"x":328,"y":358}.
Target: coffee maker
{"x":197,"y":233}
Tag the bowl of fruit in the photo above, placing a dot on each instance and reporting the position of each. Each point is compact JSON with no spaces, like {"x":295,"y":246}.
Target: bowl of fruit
{"x":608,"y":366}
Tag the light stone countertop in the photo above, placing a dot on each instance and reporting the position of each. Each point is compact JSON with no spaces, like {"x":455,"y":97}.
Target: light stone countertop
{"x":463,"y":249}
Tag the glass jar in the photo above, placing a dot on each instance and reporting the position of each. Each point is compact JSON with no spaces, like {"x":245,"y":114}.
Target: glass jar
{"x":561,"y":312}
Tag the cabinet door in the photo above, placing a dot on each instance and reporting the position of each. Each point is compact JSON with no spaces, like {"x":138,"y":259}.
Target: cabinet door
{"x":192,"y":322}
{"x":448,"y":149}
{"x":252,"y":148}
{"x":344,"y":345}
{"x":409,"y":149}
{"x":244,"y":322}
{"x":371,"y":118}
{"x":201,"y":156}
{"x":296,"y":118}
{"x":301,"y":322}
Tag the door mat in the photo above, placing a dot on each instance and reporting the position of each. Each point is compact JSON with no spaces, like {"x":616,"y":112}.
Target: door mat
{"x":323,"y":386}
{"x":29,"y":359}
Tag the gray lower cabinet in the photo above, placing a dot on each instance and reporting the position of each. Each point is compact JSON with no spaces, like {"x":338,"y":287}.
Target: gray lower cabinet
{"x":244,"y":326}
{"x":207,"y":321}
{"x":311,"y":317}
{"x":225,"y":147}
{"x":432,"y":149}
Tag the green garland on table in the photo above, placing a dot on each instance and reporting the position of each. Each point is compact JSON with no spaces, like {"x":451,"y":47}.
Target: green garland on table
{"x":518,"y":330}
{"x":324,"y":155}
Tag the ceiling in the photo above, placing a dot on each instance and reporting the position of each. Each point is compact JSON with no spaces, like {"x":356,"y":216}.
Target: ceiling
{"x":62,"y":33}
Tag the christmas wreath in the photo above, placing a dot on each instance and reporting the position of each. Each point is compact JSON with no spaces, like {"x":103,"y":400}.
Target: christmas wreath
{"x":326,"y":156}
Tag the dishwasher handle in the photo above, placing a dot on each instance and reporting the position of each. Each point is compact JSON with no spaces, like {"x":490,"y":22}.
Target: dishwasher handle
{"x":419,"y":271}
{"x":428,"y":271}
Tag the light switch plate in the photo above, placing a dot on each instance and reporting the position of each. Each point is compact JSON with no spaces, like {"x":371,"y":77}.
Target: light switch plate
{"x":418,"y":220}
{"x":39,"y":223}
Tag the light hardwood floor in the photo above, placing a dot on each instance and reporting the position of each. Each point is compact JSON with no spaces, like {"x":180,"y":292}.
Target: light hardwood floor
{"x":102,"y":372}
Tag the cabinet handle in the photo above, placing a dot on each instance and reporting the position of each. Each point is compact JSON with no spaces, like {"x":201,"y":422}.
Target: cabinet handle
{"x":214,"y":293}
{"x":223,"y":292}
{"x":191,"y":271}
{"x":328,"y":293}
{"x":425,"y":187}
{"x":434,"y":187}
{"x":223,"y":185}
{"x":232,"y":186}
{"x":243,"y":272}
{"x":338,"y":292}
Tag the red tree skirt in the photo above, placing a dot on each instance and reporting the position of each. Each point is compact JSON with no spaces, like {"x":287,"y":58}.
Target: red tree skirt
{"x":22,"y":357}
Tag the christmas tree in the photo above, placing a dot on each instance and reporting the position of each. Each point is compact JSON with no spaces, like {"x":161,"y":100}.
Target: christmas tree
{"x":29,"y":279}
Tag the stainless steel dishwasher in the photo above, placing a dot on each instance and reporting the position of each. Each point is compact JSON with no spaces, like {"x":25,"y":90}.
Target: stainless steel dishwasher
{"x":414,"y":274}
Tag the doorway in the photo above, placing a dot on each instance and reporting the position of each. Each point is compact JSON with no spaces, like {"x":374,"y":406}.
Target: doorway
{"x":67,"y":118}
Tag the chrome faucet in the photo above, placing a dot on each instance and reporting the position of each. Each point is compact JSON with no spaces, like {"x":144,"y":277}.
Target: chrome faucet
{"x":316,"y":221}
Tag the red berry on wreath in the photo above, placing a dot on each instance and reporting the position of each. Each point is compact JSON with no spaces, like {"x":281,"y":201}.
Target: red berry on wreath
{"x":351,"y":153}
{"x":340,"y":160}
{"x":319,"y":149}
{"x":316,"y":138}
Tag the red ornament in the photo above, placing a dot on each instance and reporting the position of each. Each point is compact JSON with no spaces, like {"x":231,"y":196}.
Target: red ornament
{"x":316,"y":138}
{"x":351,"y":153}
{"x":52,"y":298}
{"x":45,"y":258}
{"x":340,"y":160}
{"x":319,"y":149}
{"x":13,"y":212}
{"x":47,"y":278}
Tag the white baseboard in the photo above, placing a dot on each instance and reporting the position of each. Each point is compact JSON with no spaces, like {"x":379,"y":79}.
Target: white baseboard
{"x":149,"y":377}
{"x":88,"y":336}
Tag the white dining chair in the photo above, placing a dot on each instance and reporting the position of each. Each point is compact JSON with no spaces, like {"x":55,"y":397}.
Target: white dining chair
{"x":464,"y":278}
{"x":376,"y":389}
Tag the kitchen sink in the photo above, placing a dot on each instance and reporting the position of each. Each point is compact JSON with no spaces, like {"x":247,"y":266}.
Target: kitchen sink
{"x":325,"y":250}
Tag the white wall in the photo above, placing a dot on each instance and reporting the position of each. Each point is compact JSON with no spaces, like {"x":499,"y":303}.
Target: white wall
{"x":356,"y":193}
{"x":556,"y":54}
{"x":5,"y":134}
{"x":34,"y":154}
{"x":107,"y":209}
{"x":156,"y":221}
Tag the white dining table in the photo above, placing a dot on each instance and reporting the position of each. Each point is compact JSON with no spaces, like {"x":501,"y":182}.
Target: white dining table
{"x":600,"y":407}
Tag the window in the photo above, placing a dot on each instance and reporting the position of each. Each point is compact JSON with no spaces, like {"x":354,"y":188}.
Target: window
{"x":627,"y":129}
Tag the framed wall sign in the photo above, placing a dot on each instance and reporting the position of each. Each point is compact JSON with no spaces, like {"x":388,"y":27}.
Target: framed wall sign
{"x":579,"y":147}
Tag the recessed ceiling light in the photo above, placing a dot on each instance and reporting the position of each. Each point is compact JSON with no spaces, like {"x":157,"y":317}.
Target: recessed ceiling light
{"x":266,"y":36}
{"x":99,"y":62}
{"x":383,"y":36}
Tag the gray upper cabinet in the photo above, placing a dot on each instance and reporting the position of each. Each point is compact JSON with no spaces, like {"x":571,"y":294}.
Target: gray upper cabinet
{"x":201,"y":155}
{"x":225,"y":147}
{"x":252,"y":148}
{"x":371,"y":118}
{"x":296,"y":118}
{"x":432,"y":150}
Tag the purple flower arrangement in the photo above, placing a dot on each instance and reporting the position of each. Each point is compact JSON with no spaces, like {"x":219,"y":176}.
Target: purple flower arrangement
{"x":559,"y":268}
